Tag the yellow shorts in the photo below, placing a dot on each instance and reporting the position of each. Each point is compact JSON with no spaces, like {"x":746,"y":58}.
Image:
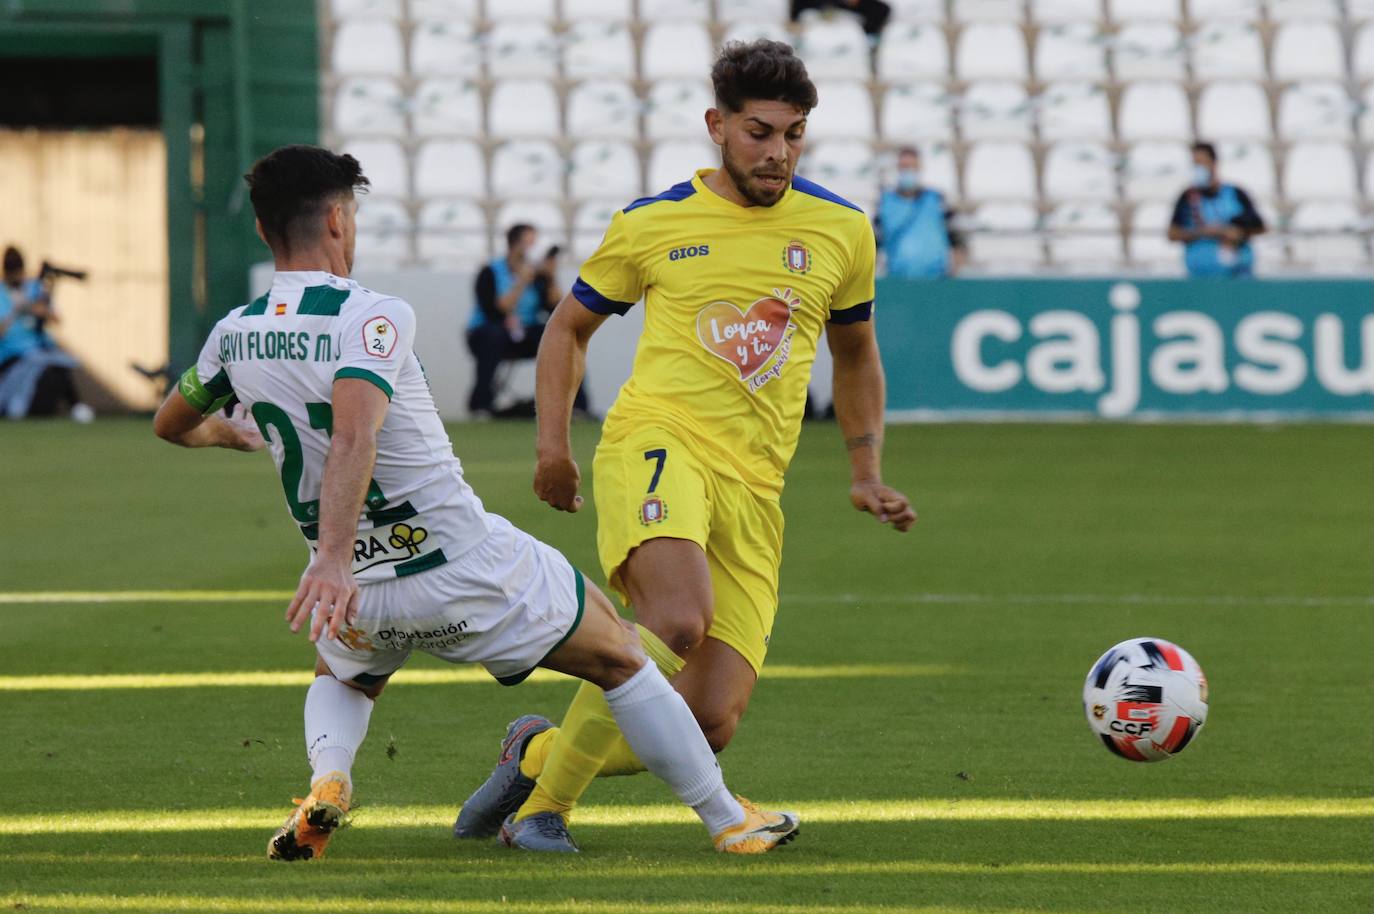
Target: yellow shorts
{"x":649,"y":485}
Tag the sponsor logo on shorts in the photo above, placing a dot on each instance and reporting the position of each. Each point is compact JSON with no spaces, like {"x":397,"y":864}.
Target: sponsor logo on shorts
{"x":653,"y":511}
{"x":396,"y":639}
{"x":402,"y":542}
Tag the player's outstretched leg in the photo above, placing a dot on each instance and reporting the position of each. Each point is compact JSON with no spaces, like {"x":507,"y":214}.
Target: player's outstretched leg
{"x":503,"y":792}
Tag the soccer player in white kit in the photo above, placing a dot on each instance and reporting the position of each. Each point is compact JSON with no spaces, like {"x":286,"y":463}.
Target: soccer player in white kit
{"x":403,"y":555}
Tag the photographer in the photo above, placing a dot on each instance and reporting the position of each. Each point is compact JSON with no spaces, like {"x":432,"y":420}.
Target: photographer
{"x":514,"y":297}
{"x":35,"y":375}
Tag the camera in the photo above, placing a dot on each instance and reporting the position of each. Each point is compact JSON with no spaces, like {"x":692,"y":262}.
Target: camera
{"x":49,"y":271}
{"x":552,"y":252}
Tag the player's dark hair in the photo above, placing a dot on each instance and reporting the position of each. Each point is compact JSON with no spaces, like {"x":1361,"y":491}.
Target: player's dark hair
{"x":1207,"y":148}
{"x":761,"y":70}
{"x":292,"y":188}
{"x":516,"y":232}
{"x":14,"y":261}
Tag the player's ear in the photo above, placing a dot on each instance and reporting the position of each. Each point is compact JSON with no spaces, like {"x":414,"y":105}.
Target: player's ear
{"x":715,"y":125}
{"x":257,"y":225}
{"x":334,"y":219}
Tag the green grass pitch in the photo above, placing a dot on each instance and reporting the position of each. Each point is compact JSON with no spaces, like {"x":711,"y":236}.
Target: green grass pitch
{"x":923,"y":713}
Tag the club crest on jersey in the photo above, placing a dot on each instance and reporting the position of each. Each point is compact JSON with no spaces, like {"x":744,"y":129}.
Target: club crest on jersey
{"x":796,"y":257}
{"x":379,"y":336}
{"x":653,"y":511}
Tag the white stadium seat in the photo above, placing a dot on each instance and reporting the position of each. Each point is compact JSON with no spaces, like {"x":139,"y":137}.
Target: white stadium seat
{"x":752,"y":10}
{"x":1227,"y":50}
{"x":834,"y":47}
{"x":916,"y":113}
{"x":615,"y":10}
{"x":754,"y":29}
{"x":1325,"y":235}
{"x":1156,"y":171}
{"x":597,"y":47}
{"x":1249,"y":165}
{"x":1134,"y":10}
{"x":445,"y":9}
{"x":1074,"y":111}
{"x":367,"y":46}
{"x":916,"y":11}
{"x":995,"y":50}
{"x":677,"y":108}
{"x":661,"y":10}
{"x":545,"y":215}
{"x":450,"y":168}
{"x":1085,"y":237}
{"x":1149,"y":245}
{"x":676,"y":161}
{"x":1367,"y":116}
{"x":1282,"y":10}
{"x":680,"y":49}
{"x":365,"y":9}
{"x":1154,"y":110}
{"x":384,"y":232}
{"x":445,"y":48}
{"x":599,"y":168}
{"x":606,"y":109}
{"x":1080,"y":171}
{"x":520,"y":48}
{"x":1362,"y":54}
{"x":1005,"y":236}
{"x":913,"y":51}
{"x":995,"y":110}
{"x":447,"y":107}
{"x":1233,"y":110}
{"x":1360,"y":10}
{"x":1308,"y":50}
{"x":1071,"y":50}
{"x":1043,"y":11}
{"x":1315,"y":110}
{"x":523,"y":10}
{"x":369,"y":105}
{"x":986,"y":10}
{"x":999,"y":171}
{"x":845,"y":167}
{"x":1149,"y":50}
{"x":523,"y":107}
{"x":526,"y":168}
{"x":1207,"y":10}
{"x":453,"y":233}
{"x":589,"y":225}
{"x":845,"y":110}
{"x":1313,"y":171}
{"x":938,"y":169}
{"x":385,"y":164}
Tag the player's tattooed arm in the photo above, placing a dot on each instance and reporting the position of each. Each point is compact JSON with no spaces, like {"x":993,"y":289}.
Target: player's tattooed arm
{"x":866,"y":440}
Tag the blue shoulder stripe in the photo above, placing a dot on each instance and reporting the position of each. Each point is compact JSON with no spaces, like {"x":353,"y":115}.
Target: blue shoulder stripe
{"x":812,"y":189}
{"x":676,"y":192}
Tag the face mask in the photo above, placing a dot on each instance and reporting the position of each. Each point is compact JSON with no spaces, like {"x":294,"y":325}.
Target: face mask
{"x":908,"y":179}
{"x":1202,"y":176}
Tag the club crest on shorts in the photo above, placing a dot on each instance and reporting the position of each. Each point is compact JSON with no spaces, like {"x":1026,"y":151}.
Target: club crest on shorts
{"x":355,"y":639}
{"x":796,"y":257}
{"x":653,"y":511}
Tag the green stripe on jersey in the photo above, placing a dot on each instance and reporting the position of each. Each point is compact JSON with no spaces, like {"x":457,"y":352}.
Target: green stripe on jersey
{"x":322,"y":301}
{"x":365,"y":375}
{"x":259,"y":306}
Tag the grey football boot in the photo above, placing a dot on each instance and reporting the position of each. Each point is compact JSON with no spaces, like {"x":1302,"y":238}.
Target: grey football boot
{"x":543,"y":831}
{"x":502,"y":793}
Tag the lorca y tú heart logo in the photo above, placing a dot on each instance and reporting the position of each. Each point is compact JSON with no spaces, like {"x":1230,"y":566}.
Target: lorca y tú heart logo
{"x":748,"y":339}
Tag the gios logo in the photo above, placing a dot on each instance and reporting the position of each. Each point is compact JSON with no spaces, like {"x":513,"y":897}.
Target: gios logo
{"x":694,"y":250}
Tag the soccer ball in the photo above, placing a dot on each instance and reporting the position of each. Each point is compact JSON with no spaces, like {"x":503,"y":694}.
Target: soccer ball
{"x":1146,"y":699}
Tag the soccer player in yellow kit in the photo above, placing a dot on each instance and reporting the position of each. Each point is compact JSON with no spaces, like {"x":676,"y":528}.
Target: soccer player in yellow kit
{"x":741,"y":269}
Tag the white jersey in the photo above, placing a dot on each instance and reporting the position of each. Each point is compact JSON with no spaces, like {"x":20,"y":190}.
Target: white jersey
{"x":280,"y":356}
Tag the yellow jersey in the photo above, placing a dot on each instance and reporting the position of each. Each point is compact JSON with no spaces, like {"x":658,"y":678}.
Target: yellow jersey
{"x":735,"y":299}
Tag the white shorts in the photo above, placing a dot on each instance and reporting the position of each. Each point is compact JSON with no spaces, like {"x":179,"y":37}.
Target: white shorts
{"x":507,"y":603}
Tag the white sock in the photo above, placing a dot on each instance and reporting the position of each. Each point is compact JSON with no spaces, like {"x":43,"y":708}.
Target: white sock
{"x":336,"y":718}
{"x":661,"y":730}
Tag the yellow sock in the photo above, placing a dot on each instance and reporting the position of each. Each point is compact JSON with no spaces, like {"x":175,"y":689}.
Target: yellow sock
{"x":566,"y":764}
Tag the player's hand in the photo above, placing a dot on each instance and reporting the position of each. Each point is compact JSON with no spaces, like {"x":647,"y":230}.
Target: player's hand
{"x":556,"y":481}
{"x":328,"y":585}
{"x":247,"y":435}
{"x":884,"y":502}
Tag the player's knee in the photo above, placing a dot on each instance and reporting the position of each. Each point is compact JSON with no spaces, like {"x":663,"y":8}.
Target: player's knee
{"x":617,"y":662}
{"x":684,"y":632}
{"x":719,"y":728}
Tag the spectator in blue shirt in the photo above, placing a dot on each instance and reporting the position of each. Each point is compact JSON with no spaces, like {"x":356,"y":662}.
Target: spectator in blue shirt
{"x":27,"y":354}
{"x":914,"y":226}
{"x":1215,"y":222}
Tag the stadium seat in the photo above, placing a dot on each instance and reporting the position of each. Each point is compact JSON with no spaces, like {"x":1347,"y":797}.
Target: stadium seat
{"x":1367,"y":116}
{"x":938,"y":169}
{"x":1004,"y":237}
{"x":1315,"y":110}
{"x":589,"y":225}
{"x":606,"y":109}
{"x":1133,"y":10}
{"x":1154,"y":110}
{"x":1074,"y":111}
{"x":662,"y":10}
{"x":385,"y":164}
{"x":384,"y":233}
{"x":845,"y":111}
{"x":599,"y":168}
{"x":523,"y":107}
{"x":421,"y":10}
{"x":680,"y":49}
{"x":845,"y":167}
{"x":999,"y":171}
{"x":1234,"y":111}
{"x":1156,"y":171}
{"x":916,"y":11}
{"x":1283,"y":10}
{"x":450,"y":168}
{"x":993,"y":50}
{"x":733,"y":11}
{"x":1249,"y":165}
{"x":1308,"y":50}
{"x":1362,"y":54}
{"x":365,"y":9}
{"x":916,"y":113}
{"x":447,"y":107}
{"x":1148,"y":245}
{"x":519,"y":48}
{"x":545,"y":215}
{"x":986,"y":10}
{"x":526,"y":168}
{"x":445,"y":48}
{"x":1359,"y":10}
{"x":1070,"y":50}
{"x":1313,"y":171}
{"x":612,"y":10}
{"x":1053,"y":11}
{"x":676,"y":108}
{"x":1227,"y":50}
{"x":676,"y":161}
{"x":453,"y":233}
{"x":1149,"y":50}
{"x":834,"y":47}
{"x":367,"y":46}
{"x":369,"y":105}
{"x":1085,"y":237}
{"x":1080,"y":171}
{"x":597,"y":47}
{"x":753,"y":29}
{"x":1326,"y":235}
{"x":521,"y":10}
{"x":1208,"y":10}
{"x":913,"y":51}
{"x":995,"y":110}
